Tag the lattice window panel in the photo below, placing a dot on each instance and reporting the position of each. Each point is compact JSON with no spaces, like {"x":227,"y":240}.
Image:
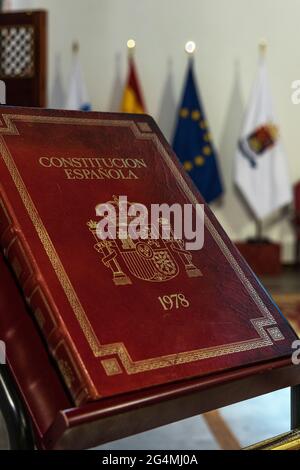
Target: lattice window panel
{"x":16,"y":51}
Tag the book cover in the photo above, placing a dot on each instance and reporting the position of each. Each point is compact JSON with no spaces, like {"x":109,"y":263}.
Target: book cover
{"x":122,"y":314}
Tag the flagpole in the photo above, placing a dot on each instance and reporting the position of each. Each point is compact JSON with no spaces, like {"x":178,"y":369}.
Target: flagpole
{"x":259,"y":230}
{"x":133,"y":99}
{"x":190,"y":48}
{"x":262,"y":47}
{"x":75,"y":47}
{"x":131,"y":45}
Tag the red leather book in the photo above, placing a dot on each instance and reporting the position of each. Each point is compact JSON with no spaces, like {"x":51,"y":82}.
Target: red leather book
{"x":122,"y":315}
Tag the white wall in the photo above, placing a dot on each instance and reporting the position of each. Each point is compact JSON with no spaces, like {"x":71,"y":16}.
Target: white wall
{"x":226,"y":32}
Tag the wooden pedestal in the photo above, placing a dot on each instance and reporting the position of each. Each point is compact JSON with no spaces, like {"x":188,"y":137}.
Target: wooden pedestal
{"x":263,"y":258}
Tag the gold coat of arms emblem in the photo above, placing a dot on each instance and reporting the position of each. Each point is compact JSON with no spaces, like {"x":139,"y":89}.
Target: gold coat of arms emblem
{"x":149,"y":259}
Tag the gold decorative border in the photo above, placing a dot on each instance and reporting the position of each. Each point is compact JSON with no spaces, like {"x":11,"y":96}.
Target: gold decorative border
{"x":111,"y":366}
{"x":119,"y":349}
{"x":77,"y":393}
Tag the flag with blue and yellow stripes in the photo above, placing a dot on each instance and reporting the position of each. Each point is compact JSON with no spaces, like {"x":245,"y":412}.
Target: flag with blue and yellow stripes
{"x":193,"y":143}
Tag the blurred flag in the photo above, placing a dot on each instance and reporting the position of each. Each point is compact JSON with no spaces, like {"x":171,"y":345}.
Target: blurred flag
{"x":58,"y":98}
{"x":77,"y":98}
{"x":168,"y":105}
{"x":193,"y":144}
{"x":6,"y":5}
{"x":261,"y":172}
{"x":133,"y":100}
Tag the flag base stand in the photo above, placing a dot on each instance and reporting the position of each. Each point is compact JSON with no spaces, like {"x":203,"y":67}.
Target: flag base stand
{"x":263,"y":256}
{"x":258,"y":241}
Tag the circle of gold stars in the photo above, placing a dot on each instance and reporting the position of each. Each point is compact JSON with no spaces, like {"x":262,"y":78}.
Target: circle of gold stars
{"x":188,"y":166}
{"x":184,"y":113}
{"x":199,"y":160}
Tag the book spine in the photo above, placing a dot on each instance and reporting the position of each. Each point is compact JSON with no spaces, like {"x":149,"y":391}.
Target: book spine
{"x":17,"y":251}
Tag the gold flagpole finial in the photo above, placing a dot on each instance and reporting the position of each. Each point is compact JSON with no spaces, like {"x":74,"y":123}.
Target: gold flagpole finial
{"x":190,"y":47}
{"x":263,"y":47}
{"x":75,"y":47}
{"x":131,"y":44}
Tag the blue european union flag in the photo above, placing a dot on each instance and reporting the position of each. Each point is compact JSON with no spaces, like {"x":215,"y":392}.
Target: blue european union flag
{"x":193,"y":144}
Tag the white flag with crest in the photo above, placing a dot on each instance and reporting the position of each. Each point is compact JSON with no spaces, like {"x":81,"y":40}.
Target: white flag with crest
{"x":261,"y":169}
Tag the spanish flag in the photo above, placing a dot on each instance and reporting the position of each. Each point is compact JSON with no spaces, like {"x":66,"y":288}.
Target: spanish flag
{"x":133,"y":100}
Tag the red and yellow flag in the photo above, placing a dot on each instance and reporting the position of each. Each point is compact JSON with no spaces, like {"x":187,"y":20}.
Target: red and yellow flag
{"x":133,"y":100}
